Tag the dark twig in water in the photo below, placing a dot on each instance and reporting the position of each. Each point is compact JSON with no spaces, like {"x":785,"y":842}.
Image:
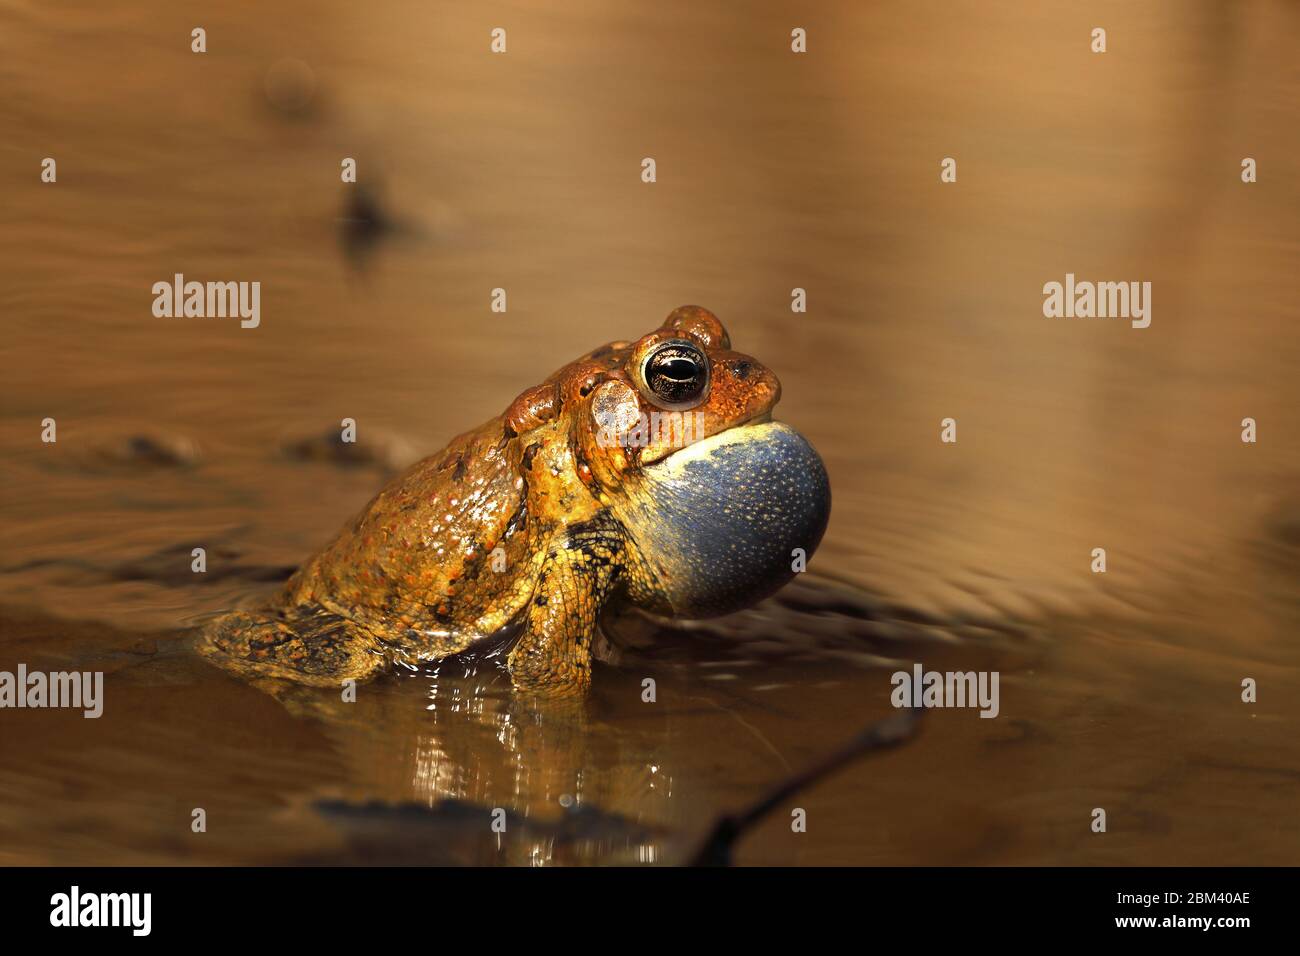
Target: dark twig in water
{"x":367,"y":223}
{"x":883,"y":735}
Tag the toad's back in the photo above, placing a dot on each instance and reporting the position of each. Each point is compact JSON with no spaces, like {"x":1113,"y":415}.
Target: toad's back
{"x":424,"y":554}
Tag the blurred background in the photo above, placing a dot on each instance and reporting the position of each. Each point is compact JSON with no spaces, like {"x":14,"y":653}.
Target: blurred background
{"x":775,"y":171}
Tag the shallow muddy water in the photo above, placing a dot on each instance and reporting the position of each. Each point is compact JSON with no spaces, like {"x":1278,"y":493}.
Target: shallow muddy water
{"x":775,"y":171}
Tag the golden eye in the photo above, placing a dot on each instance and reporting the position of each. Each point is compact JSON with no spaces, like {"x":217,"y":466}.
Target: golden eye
{"x":675,"y":374}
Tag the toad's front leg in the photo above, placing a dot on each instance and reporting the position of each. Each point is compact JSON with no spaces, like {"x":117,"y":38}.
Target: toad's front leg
{"x":580,"y":571}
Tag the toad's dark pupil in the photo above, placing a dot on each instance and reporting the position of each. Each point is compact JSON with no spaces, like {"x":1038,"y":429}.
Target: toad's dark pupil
{"x":678,"y":369}
{"x":675,"y":376}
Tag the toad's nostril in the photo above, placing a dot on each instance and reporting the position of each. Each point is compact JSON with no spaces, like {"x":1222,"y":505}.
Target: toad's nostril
{"x":741,"y":370}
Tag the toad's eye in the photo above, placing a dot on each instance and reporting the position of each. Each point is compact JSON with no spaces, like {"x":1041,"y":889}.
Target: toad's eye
{"x":676,"y":375}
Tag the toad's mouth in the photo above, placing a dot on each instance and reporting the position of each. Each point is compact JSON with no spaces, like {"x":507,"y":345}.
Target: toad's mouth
{"x":704,"y":447}
{"x":725,"y":520}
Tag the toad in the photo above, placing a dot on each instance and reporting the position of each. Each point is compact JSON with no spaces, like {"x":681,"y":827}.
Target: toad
{"x":646,"y":473}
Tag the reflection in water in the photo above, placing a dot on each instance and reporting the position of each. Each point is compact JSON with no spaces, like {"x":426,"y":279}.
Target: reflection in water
{"x":543,"y":765}
{"x":537,"y":757}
